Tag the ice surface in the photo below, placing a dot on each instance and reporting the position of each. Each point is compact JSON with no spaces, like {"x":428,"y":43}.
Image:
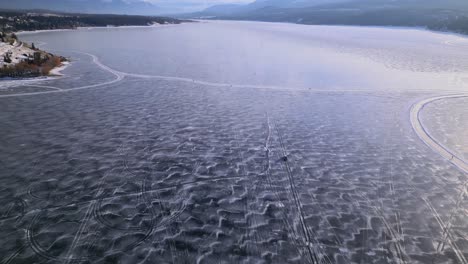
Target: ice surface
{"x":448,"y":122}
{"x":173,"y":152}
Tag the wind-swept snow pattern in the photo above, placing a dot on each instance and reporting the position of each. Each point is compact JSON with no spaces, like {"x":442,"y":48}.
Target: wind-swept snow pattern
{"x":208,"y":157}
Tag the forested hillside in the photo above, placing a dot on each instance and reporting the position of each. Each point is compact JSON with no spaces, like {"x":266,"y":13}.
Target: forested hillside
{"x":11,"y":21}
{"x":447,"y":15}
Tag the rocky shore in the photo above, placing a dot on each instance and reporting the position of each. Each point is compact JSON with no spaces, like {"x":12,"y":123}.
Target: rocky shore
{"x":19,"y":59}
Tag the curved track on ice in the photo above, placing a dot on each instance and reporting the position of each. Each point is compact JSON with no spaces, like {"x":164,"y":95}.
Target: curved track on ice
{"x":416,"y":123}
{"x":119,"y":76}
{"x":422,"y":133}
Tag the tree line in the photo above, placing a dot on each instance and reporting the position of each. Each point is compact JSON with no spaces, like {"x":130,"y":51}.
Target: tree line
{"x":12,"y":21}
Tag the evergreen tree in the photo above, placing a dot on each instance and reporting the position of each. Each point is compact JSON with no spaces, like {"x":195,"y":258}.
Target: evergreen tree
{"x":37,"y":58}
{"x":7,"y":58}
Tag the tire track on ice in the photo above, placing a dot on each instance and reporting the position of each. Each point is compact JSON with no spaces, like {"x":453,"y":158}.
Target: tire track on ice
{"x":267,"y":172}
{"x":121,"y":75}
{"x":44,"y":86}
{"x":448,"y":226}
{"x":155,"y":191}
{"x":297,"y":241}
{"x":457,"y":161}
{"x":247,"y":212}
{"x":14,"y":255}
{"x":314,"y":248}
{"x":447,"y":235}
{"x":395,"y":236}
{"x":69,"y":258}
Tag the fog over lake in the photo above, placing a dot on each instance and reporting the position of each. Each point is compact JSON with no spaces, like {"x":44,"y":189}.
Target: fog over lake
{"x":238,"y":142}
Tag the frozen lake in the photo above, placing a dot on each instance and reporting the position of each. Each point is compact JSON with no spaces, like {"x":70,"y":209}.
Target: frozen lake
{"x":238,"y":142}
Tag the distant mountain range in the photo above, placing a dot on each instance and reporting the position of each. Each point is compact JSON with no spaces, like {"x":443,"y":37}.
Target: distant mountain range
{"x":445,"y":15}
{"x":233,"y":9}
{"x":130,"y":7}
{"x":35,"y":19}
{"x":86,"y":6}
{"x":286,"y":6}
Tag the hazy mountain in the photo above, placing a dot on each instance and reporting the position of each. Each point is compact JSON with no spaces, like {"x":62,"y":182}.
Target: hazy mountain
{"x":360,"y":3}
{"x":85,"y":6}
{"x":232,"y":9}
{"x":417,"y":4}
{"x":262,"y":7}
{"x":292,"y":3}
{"x":445,"y":15}
{"x":225,"y":9}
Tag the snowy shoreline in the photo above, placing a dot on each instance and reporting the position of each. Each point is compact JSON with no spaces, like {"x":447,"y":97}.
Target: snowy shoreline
{"x":20,"y":33}
{"x":57,"y":71}
{"x":17,"y":57}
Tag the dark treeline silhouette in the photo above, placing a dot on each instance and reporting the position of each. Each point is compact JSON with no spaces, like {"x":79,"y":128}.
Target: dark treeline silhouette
{"x":439,"y":19}
{"x":11,"y":21}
